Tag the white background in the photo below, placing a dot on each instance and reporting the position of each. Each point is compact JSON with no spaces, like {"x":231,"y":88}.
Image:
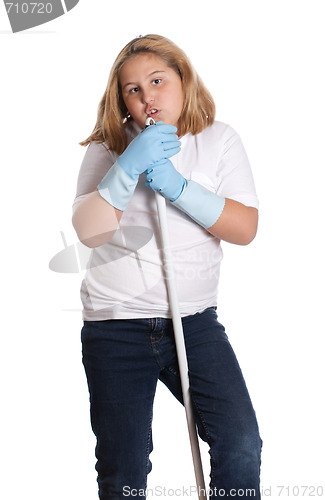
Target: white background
{"x":263,"y":61}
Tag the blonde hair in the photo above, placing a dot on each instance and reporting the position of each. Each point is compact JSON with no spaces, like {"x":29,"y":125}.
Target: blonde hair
{"x":112,"y":118}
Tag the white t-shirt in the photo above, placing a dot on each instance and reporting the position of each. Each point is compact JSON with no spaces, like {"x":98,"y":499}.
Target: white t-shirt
{"x":125,"y":277}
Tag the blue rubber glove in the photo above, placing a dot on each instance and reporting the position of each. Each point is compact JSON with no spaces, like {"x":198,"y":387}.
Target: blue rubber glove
{"x":152,"y":145}
{"x":201,"y":204}
{"x":163,"y":177}
{"x":198,"y":202}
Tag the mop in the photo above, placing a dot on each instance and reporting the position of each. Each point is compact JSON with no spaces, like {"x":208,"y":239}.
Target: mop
{"x":179,"y":340}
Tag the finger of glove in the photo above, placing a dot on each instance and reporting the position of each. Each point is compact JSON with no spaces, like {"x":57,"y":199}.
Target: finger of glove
{"x":171,"y":152}
{"x":165,"y":128}
{"x":159,"y":152}
{"x":165,"y":138}
{"x":155,"y":138}
{"x":160,"y":172}
{"x":157,"y":170}
{"x":158,"y":183}
{"x":171,"y":145}
{"x":158,"y":129}
{"x":148,"y":183}
{"x":164,"y":163}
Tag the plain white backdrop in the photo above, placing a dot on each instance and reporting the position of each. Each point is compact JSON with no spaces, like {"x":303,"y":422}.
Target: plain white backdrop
{"x":263,"y":61}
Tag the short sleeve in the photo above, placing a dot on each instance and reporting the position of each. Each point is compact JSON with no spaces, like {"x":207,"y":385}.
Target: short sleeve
{"x":96,"y":163}
{"x":234,"y":171}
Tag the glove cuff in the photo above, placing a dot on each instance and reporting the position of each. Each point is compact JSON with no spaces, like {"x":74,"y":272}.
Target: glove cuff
{"x":117,"y":187}
{"x":200,"y":204}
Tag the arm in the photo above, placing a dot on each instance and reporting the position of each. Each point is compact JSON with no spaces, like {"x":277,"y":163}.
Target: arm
{"x":222,"y":216}
{"x":97,"y":216}
{"x":95,"y":220}
{"x":225,"y":218}
{"x":237,"y":224}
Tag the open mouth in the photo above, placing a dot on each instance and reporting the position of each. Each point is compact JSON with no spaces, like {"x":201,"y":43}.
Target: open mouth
{"x":153,"y":112}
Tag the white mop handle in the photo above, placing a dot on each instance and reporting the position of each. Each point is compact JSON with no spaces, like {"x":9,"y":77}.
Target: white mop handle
{"x":180,"y":346}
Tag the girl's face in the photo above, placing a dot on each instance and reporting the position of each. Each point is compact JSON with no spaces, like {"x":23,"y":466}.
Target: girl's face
{"x":151,"y":88}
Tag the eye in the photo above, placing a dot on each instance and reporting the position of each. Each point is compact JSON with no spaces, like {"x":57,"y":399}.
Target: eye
{"x":156,"y":81}
{"x":134,"y":90}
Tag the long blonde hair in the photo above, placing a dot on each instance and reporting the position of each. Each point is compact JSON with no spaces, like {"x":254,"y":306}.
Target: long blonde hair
{"x":113,"y":117}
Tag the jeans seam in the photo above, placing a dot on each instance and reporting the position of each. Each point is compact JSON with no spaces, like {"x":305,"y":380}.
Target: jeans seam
{"x":213,"y":463}
{"x":155,"y":351}
{"x":152,"y":337}
{"x":148,"y":445}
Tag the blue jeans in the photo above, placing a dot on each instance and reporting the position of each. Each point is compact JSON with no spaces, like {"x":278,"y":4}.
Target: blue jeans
{"x":124,"y":359}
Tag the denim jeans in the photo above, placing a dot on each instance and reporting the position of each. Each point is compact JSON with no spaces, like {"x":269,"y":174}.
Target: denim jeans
{"x":124,"y":359}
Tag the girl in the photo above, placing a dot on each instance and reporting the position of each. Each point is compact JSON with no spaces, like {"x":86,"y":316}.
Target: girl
{"x":200,"y":166}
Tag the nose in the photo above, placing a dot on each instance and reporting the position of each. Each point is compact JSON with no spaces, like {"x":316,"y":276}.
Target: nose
{"x":148,"y":96}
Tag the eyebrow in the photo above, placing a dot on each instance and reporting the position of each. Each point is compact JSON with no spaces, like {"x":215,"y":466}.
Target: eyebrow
{"x":148,"y":76}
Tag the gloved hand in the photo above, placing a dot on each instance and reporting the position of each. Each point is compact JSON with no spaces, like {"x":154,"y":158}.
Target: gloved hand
{"x":198,"y":202}
{"x":202,"y":205}
{"x":152,"y":145}
{"x":163,"y":177}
